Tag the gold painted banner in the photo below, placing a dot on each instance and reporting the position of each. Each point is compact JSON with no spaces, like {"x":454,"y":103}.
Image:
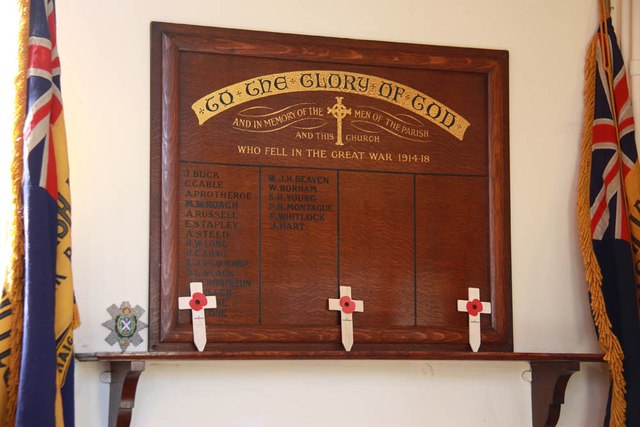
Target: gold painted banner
{"x":334,"y":81}
{"x":373,"y":120}
{"x":264,"y":119}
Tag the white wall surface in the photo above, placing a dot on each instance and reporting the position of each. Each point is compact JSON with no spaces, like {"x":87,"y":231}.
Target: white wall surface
{"x":104,"y":47}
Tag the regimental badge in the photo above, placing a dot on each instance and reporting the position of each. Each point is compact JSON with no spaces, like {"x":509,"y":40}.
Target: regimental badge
{"x":124,"y":325}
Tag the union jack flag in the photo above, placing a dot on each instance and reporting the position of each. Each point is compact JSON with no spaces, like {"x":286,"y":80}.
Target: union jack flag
{"x":45,"y":392}
{"x":615,"y":220}
{"x":612,"y":160}
{"x":45,"y":101}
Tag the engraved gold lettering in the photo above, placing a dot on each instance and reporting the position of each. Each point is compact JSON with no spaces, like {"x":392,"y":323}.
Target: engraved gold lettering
{"x":328,"y":80}
{"x":305,"y":80}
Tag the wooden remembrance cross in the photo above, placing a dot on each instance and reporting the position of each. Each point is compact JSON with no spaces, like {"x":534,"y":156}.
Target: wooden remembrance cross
{"x":198,"y":303}
{"x":346,"y":306}
{"x":474,"y":307}
{"x":286,"y":167}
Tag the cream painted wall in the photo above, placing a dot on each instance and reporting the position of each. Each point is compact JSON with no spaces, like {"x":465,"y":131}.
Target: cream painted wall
{"x":104,"y":48}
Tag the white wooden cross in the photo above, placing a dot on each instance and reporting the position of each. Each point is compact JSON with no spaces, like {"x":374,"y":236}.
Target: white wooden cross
{"x":475,"y":308}
{"x":198,"y":303}
{"x":346,"y":306}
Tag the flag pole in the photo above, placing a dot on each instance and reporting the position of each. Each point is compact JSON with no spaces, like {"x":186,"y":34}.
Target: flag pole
{"x":605,"y":14}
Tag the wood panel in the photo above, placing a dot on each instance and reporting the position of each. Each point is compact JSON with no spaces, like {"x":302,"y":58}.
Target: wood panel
{"x":285,"y":166}
{"x":376,"y":246}
{"x":218,"y":244}
{"x":452,"y":243}
{"x":300,"y":251}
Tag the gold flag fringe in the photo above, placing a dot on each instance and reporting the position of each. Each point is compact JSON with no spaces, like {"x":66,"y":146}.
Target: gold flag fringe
{"x":609,"y":343}
{"x":15,"y":276}
{"x":75,"y":323}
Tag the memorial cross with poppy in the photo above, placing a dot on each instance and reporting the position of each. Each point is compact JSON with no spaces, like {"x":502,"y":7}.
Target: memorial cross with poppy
{"x":474,"y":307}
{"x":198,"y":302}
{"x":346,"y":306}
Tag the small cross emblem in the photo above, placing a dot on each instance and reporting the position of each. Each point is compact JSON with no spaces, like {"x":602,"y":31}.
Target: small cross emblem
{"x":198,"y":303}
{"x":346,"y":306}
{"x":475,"y":308}
{"x":339,"y":111}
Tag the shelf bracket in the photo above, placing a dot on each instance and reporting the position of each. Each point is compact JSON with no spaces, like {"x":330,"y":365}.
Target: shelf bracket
{"x":122,"y":390}
{"x":548,"y":384}
{"x":550,"y":374}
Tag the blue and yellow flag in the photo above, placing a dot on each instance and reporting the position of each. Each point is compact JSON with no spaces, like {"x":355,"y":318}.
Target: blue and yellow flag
{"x":609,"y":220}
{"x":45,"y":390}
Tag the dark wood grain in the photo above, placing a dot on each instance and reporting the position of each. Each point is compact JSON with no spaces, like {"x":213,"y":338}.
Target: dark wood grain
{"x":122,"y":391}
{"x":549,"y":382}
{"x":452,"y":247}
{"x":155,"y":190}
{"x":500,"y":218}
{"x":275,"y":354}
{"x":328,"y":49}
{"x":377,"y":254}
{"x":383,"y":212}
{"x":287,"y":289}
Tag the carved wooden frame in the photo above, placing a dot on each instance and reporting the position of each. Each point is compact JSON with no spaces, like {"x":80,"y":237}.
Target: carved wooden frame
{"x":169,"y":41}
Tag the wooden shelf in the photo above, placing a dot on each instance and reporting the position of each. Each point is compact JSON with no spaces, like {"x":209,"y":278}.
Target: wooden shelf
{"x":550,"y":373}
{"x":422,"y":355}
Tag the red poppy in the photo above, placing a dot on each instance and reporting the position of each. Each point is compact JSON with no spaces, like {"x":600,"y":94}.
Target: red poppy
{"x":474,"y":307}
{"x":198,"y":301}
{"x":347,"y":305}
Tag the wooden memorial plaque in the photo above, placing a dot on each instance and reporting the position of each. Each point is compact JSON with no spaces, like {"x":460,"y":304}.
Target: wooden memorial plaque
{"x":286,"y":166}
